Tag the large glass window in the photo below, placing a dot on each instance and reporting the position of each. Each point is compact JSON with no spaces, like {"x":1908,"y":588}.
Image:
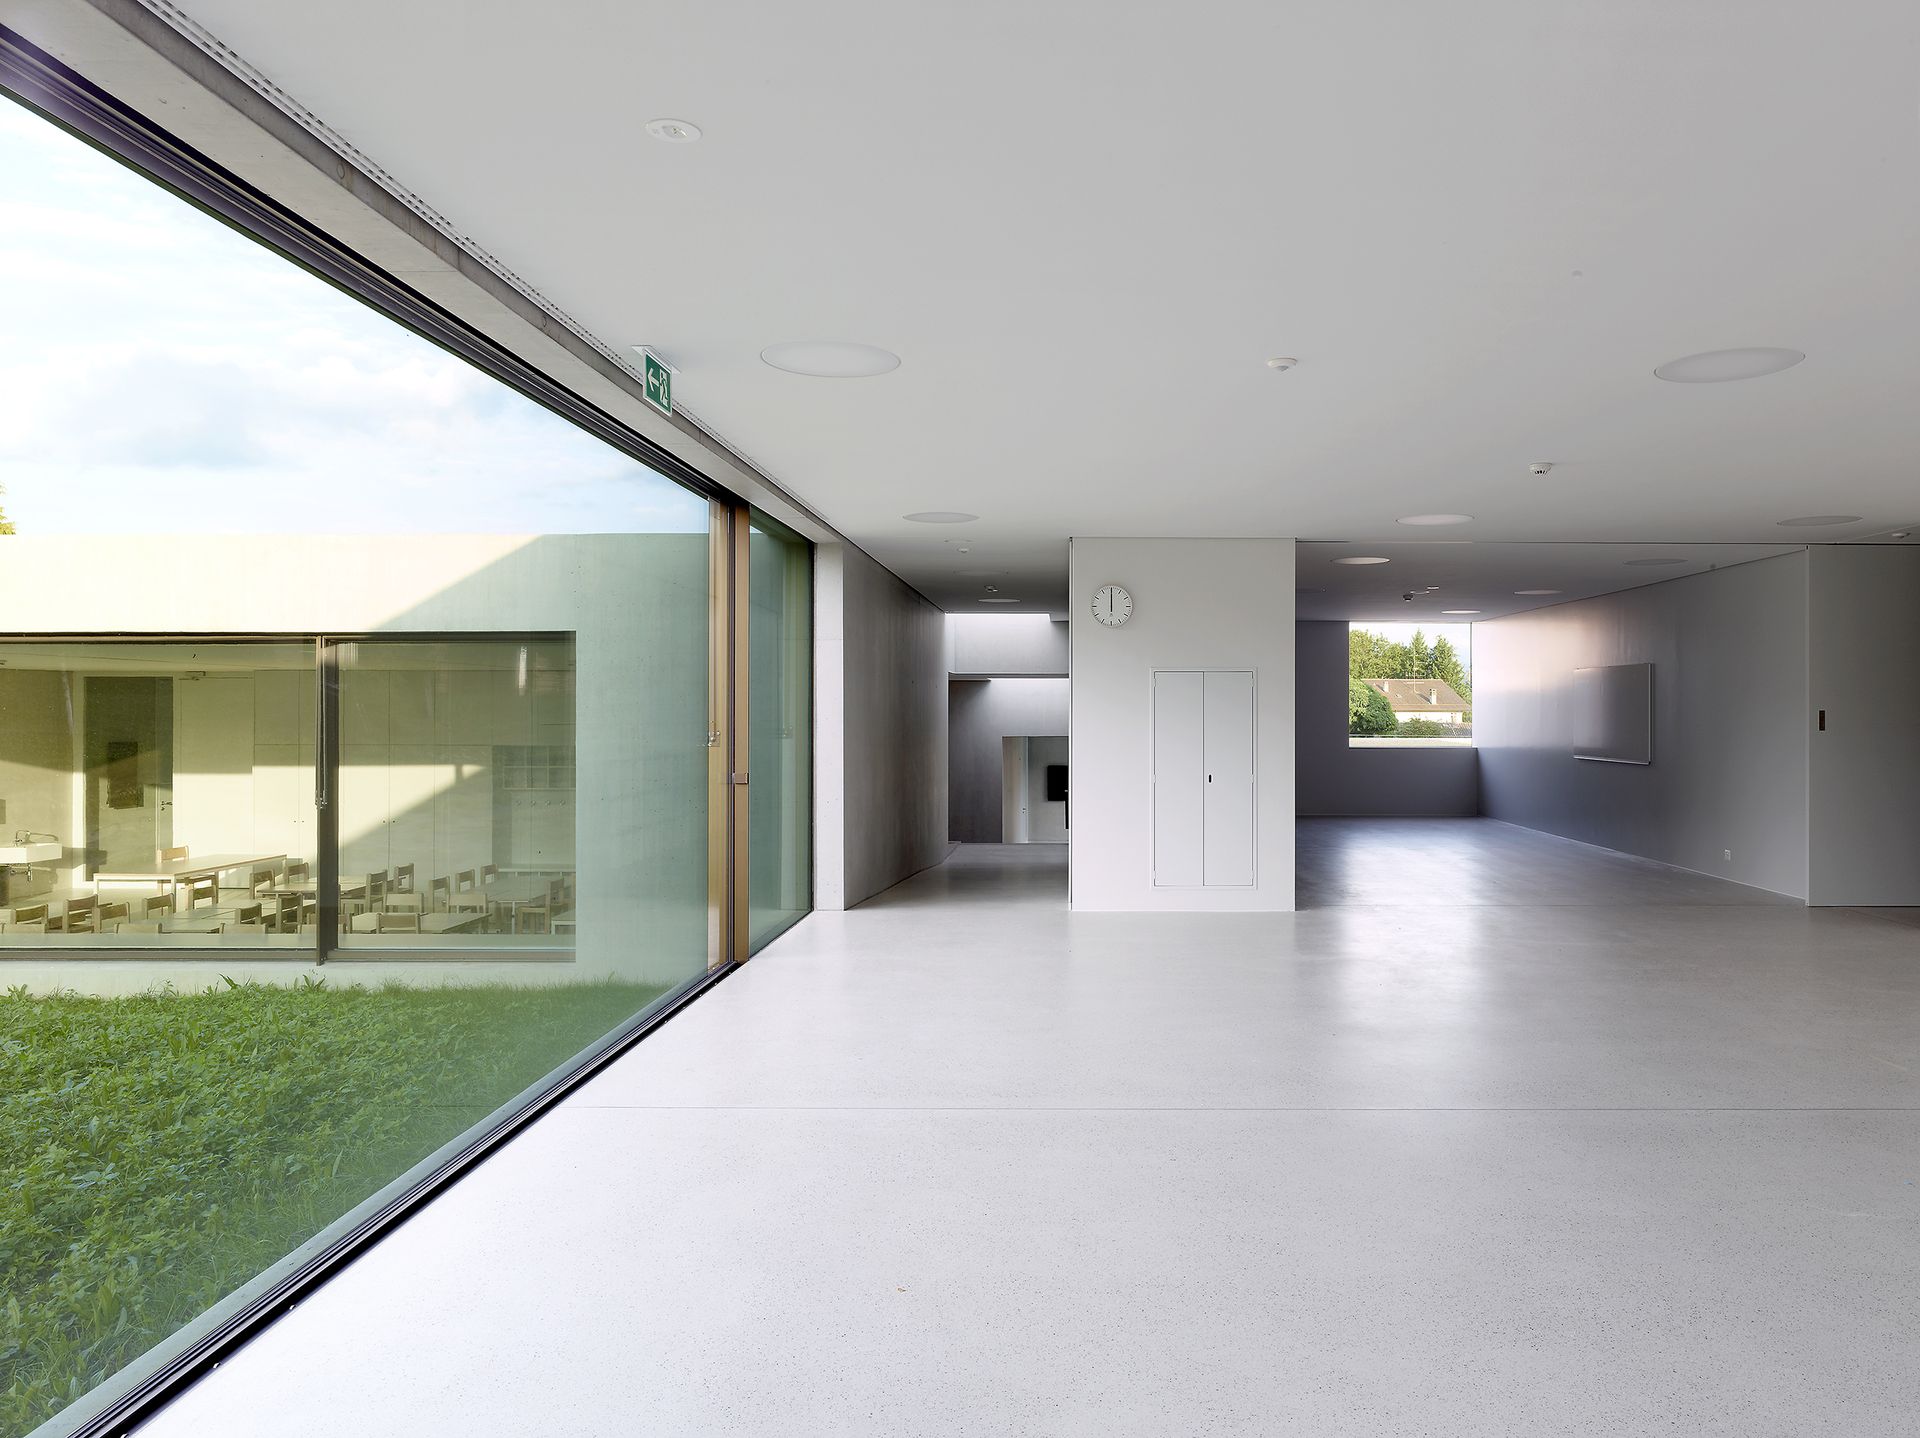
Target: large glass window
{"x":458,"y":813}
{"x":156,"y":795}
{"x":286,"y":919}
{"x":1409,"y":685}
{"x":780,"y":693}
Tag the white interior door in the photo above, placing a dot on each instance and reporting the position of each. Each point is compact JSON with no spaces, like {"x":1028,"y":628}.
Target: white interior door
{"x":1013,"y":790}
{"x":1179,"y":777}
{"x":1227,"y":844}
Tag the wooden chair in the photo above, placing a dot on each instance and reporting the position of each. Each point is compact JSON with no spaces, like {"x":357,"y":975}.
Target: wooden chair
{"x":299,"y":872}
{"x":203,"y":890}
{"x":540,"y":911}
{"x":439,"y":894}
{"x":167,"y":856}
{"x":79,"y":915}
{"x":403,"y":879}
{"x":398,"y":903}
{"x":377,"y":890}
{"x":110,"y":917}
{"x":262,"y":880}
{"x":27,"y":919}
{"x":252,"y":915}
{"x":283,"y":911}
{"x":488,"y":873}
{"x":158,"y":906}
{"x":395,"y":923}
{"x":247,"y":928}
{"x":141,"y":926}
{"x":466,"y":896}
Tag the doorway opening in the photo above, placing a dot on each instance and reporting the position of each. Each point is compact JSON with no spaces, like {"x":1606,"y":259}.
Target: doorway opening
{"x":1034,"y":803}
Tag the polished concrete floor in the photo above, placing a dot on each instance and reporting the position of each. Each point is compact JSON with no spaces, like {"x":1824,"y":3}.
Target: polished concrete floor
{"x":1551,"y":1146}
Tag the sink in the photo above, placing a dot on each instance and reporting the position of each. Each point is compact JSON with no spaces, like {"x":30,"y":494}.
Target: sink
{"x":30,"y":853}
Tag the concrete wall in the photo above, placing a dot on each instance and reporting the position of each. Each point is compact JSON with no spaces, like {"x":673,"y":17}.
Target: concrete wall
{"x":983,"y":645}
{"x":982,"y":712}
{"x":1729,"y":772}
{"x":1384,"y":782}
{"x":1864,"y":828}
{"x":1223,"y":603}
{"x":880,"y":727}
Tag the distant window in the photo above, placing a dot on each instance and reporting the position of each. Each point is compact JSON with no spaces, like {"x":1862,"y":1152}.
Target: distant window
{"x":1409,"y":685}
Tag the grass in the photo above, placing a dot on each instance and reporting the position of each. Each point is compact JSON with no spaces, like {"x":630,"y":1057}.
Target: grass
{"x":158,"y":1151}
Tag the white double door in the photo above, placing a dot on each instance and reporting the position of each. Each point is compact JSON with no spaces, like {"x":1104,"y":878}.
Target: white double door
{"x":1203,"y":779}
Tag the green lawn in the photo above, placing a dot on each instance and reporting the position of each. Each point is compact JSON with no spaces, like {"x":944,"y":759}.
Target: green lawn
{"x":156,"y":1152}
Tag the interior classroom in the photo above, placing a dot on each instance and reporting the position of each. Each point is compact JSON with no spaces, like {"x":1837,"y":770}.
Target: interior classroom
{"x":180,"y":795}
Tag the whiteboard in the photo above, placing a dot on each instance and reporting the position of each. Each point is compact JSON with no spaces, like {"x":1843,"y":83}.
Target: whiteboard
{"x":1613,"y":721}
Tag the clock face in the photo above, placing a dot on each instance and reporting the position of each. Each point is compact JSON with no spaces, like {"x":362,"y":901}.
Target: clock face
{"x":1112,"y":605}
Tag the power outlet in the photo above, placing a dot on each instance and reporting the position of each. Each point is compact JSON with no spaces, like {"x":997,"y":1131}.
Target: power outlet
{"x":1727,"y":854}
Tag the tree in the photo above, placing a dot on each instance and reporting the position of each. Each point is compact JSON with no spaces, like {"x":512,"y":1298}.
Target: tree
{"x":1370,"y":656}
{"x":1418,"y":728}
{"x":6,"y":525}
{"x":1420,"y":657}
{"x":1444,"y":664}
{"x":1368,"y":714}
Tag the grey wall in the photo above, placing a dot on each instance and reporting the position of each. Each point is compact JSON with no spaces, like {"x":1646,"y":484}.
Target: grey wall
{"x":1864,"y":828}
{"x":983,"y":645}
{"x":983,"y":712}
{"x":880,"y":715}
{"x":1730,"y":690}
{"x":1376,"y":783}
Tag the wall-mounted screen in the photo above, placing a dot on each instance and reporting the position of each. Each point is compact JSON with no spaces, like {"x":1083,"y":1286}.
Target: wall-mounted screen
{"x":1614,"y":723}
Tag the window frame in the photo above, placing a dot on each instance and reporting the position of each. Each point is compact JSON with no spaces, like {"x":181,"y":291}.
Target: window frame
{"x":326,"y":947}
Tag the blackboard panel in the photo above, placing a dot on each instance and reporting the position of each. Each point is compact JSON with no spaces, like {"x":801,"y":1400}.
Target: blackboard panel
{"x":1615,"y":714}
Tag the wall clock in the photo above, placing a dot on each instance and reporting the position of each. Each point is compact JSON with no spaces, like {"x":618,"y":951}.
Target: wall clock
{"x":1112,"y":605}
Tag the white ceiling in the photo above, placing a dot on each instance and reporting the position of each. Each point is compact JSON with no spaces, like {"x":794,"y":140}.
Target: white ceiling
{"x":1085,"y":227}
{"x":1485,"y":577}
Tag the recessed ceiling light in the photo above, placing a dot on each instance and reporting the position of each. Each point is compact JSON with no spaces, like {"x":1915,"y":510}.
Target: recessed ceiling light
{"x":999,"y":601}
{"x":1718,"y":366}
{"x":942,"y":516}
{"x":830,"y":359}
{"x":1819,"y":521}
{"x":674,"y":132}
{"x":1362,"y":559}
{"x":1459,"y":611}
{"x":1282,"y":362}
{"x":1537,"y":591}
{"x":1428,"y":520}
{"x":1651,"y":563}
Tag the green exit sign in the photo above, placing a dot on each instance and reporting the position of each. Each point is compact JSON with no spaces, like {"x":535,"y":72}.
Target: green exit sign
{"x":659,"y":384}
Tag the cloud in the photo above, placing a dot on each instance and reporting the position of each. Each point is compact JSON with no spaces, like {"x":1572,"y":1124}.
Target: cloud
{"x":160,"y":373}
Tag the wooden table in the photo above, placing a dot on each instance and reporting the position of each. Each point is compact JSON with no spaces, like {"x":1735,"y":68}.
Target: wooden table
{"x":175,"y":872}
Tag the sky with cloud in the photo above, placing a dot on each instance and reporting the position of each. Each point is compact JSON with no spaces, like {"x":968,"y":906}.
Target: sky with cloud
{"x":162,"y":373}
